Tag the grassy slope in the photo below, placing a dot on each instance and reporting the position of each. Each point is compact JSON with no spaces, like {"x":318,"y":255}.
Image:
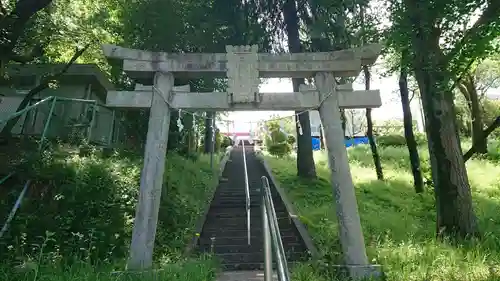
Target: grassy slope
{"x":88,"y":206}
{"x":398,"y":224}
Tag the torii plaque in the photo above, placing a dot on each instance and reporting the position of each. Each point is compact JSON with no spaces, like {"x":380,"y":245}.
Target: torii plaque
{"x":244,"y":66}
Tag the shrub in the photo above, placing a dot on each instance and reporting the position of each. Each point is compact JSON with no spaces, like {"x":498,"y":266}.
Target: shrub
{"x":226,"y":141}
{"x":391,"y":140}
{"x":399,"y":140}
{"x":280,"y":149}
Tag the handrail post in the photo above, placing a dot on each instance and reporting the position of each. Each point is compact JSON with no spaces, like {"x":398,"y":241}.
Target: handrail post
{"x":47,"y":123}
{"x":112,"y":129}
{"x":268,"y":254}
{"x":247,"y":192}
{"x":92,"y":121}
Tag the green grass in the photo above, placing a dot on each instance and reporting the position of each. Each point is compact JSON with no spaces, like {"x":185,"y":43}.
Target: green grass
{"x":191,"y":270}
{"x":398,"y":224}
{"x":76,"y":220}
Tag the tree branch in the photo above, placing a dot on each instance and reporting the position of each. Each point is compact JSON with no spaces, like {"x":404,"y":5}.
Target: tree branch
{"x":486,"y":133}
{"x":3,"y":9}
{"x":12,"y":25}
{"x":36,"y":52}
{"x":489,"y":15}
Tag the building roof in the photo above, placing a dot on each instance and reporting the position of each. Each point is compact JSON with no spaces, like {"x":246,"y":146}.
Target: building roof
{"x":76,"y":74}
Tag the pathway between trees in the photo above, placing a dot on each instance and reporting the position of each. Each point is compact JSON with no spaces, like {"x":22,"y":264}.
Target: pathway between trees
{"x":225,"y":230}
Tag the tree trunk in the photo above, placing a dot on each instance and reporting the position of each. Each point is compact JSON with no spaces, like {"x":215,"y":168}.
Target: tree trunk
{"x":344,"y":120}
{"x":188,"y":121}
{"x":369,"y":130}
{"x":468,"y":89}
{"x":455,"y":214}
{"x":411,"y":143}
{"x":321,"y":137}
{"x":209,"y":130}
{"x":305,"y":160}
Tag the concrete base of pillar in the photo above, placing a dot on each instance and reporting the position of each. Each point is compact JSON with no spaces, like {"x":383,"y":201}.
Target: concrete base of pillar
{"x":365,"y":271}
{"x":361,"y":272}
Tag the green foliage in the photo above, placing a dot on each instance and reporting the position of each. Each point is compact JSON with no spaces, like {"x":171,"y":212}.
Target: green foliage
{"x":226,"y":141}
{"x":277,"y":142}
{"x":398,"y":225}
{"x":279,"y":149}
{"x":218,"y":140}
{"x":87,"y":206}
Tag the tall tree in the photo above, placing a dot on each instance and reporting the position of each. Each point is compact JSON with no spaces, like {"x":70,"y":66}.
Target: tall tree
{"x":369,"y":131}
{"x":305,"y":160}
{"x":369,"y":32}
{"x":437,"y":69}
{"x":411,"y":142}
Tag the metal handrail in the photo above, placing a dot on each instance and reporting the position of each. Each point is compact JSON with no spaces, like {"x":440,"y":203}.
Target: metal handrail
{"x":247,"y":191}
{"x":55,"y":99}
{"x":272,"y":237}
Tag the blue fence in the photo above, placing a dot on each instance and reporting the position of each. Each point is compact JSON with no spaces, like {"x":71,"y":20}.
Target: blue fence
{"x":316,"y":143}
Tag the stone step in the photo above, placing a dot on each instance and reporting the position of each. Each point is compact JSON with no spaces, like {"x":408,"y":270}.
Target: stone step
{"x":253,"y":216}
{"x":229,"y":232}
{"x":242,"y":249}
{"x":253,"y":275}
{"x":255,"y":257}
{"x":255,"y":240}
{"x":250,"y":266}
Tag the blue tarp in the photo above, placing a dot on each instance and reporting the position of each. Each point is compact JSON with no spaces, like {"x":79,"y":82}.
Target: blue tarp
{"x":355,"y":141}
{"x":348,"y":142}
{"x":316,"y":144}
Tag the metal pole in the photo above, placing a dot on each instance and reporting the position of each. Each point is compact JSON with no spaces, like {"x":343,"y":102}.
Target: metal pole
{"x":14,"y":209}
{"x":247,"y":190}
{"x":92,"y":121}
{"x":268,"y":254}
{"x":112,"y":129}
{"x":47,"y":123}
{"x":212,"y":148}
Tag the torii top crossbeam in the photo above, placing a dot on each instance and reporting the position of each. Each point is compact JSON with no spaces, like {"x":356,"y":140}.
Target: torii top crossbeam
{"x":141,"y":64}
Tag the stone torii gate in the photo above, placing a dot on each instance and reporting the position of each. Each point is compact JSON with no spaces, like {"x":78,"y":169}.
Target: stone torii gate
{"x":244,"y":66}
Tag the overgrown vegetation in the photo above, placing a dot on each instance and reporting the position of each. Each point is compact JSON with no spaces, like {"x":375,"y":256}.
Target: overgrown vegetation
{"x":77,"y":217}
{"x":399,"y":225}
{"x":278,"y":141}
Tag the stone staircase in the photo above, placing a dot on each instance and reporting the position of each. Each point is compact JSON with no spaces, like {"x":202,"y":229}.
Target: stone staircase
{"x":225,"y":229}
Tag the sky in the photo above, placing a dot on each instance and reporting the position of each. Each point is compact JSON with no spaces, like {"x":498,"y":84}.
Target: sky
{"x":389,"y":92}
{"x":388,"y":87}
